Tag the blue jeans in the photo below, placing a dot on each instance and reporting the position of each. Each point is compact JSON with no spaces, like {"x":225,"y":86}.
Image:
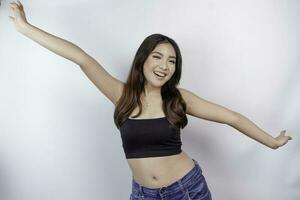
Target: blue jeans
{"x":191,"y":186}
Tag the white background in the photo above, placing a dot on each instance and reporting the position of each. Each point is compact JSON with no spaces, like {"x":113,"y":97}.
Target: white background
{"x":58,"y":140}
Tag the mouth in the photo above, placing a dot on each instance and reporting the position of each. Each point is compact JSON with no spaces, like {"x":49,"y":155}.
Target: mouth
{"x":159,"y":75}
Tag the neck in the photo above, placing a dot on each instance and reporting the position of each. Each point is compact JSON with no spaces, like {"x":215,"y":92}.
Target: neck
{"x":151,"y":91}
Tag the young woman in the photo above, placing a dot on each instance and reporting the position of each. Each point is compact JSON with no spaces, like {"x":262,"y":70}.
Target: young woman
{"x":150,"y":111}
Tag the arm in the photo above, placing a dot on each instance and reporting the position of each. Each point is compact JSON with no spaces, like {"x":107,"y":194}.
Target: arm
{"x":198,"y":107}
{"x":108,"y":85}
{"x":247,"y":127}
{"x":53,"y":43}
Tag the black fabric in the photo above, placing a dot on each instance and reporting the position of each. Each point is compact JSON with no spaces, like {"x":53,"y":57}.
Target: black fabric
{"x":150,"y":138}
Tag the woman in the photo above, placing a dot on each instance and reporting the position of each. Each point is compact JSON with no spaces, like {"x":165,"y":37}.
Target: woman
{"x":150,"y":111}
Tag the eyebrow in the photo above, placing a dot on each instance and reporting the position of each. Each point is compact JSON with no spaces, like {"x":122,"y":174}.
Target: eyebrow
{"x":162,"y":54}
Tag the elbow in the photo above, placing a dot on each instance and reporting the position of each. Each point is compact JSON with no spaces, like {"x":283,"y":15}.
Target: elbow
{"x":233,"y":119}
{"x":82,"y":58}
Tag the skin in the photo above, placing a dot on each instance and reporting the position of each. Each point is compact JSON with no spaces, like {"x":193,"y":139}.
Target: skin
{"x":161,"y":59}
{"x":150,"y":172}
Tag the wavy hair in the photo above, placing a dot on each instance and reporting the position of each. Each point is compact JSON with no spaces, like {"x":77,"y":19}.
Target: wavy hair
{"x":174,"y":105}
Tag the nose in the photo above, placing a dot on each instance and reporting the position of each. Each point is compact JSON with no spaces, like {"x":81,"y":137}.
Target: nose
{"x":164,"y":65}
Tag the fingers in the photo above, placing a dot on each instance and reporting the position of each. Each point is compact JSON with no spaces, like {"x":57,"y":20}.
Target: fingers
{"x":16,"y":8}
{"x":20,"y":4}
{"x":16,"y":5}
{"x":282,"y":138}
{"x":12,"y":18}
{"x":282,"y":134}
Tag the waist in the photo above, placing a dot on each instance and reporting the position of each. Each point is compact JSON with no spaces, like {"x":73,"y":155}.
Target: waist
{"x":160,"y":171}
{"x":175,"y":186}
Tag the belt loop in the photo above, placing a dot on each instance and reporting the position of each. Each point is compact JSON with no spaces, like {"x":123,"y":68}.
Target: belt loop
{"x":184,"y":189}
{"x":181,"y":185}
{"x":141,"y":190}
{"x":195,"y":161}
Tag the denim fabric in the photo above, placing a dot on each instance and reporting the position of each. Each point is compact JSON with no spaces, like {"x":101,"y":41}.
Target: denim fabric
{"x":191,"y":186}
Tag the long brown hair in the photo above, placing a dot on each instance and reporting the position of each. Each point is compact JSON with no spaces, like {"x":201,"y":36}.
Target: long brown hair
{"x":174,"y":105}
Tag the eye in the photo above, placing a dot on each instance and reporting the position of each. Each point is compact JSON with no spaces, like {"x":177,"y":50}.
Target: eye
{"x":172,"y":61}
{"x":155,"y":56}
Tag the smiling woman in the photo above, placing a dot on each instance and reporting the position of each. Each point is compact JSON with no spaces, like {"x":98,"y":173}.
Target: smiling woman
{"x":150,"y":111}
{"x":155,"y":73}
{"x":152,"y":142}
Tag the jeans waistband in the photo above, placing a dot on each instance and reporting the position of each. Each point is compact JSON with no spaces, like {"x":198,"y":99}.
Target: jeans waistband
{"x":172,"y":187}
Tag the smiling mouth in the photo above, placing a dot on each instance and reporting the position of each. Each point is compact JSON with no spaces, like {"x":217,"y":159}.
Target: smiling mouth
{"x":159,"y":75}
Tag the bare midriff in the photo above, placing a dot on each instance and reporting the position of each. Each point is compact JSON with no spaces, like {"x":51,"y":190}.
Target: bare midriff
{"x":156,"y":172}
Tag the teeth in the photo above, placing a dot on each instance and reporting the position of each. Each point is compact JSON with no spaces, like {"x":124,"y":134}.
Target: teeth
{"x":160,"y":74}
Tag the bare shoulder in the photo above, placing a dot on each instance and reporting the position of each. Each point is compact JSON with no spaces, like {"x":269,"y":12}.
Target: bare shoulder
{"x":185,"y":94}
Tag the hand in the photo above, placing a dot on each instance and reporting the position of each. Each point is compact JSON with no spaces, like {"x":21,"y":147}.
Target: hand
{"x":19,"y":18}
{"x":282,"y":139}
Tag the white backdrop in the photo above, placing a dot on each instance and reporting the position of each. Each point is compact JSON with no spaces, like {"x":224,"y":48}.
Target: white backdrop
{"x":58,"y":140}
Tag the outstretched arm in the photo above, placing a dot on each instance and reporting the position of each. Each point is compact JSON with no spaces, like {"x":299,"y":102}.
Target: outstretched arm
{"x":53,"y":43}
{"x":201,"y":108}
{"x":107,"y":84}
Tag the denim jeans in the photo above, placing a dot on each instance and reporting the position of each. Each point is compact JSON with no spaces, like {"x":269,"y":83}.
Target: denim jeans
{"x":191,"y":186}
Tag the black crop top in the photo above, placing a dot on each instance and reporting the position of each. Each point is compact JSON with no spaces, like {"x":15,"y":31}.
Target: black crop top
{"x":150,"y":138}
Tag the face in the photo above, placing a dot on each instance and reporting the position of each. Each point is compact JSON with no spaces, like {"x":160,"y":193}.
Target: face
{"x":161,"y":60}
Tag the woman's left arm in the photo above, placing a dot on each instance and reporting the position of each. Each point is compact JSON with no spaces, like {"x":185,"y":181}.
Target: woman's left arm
{"x":244,"y":125}
{"x":201,"y":108}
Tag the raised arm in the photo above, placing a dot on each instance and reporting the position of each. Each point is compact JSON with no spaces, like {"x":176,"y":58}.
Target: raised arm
{"x":107,"y":84}
{"x":201,"y":108}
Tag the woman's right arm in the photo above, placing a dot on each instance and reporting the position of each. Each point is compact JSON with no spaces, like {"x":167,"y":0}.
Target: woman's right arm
{"x":107,"y":84}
